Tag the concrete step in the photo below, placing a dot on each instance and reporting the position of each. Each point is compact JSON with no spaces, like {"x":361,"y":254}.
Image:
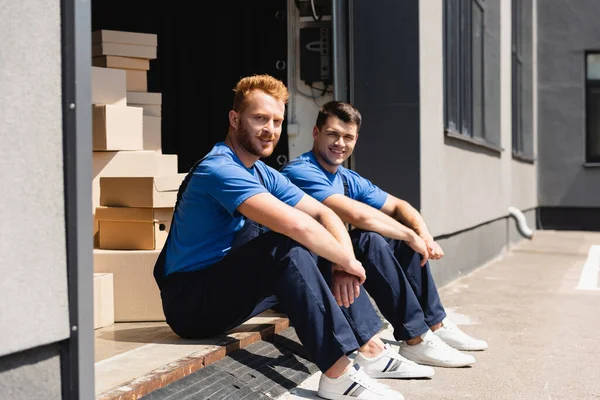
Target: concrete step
{"x":154,"y":360}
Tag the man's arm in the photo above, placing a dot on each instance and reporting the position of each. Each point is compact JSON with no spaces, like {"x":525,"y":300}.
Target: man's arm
{"x":365,"y":217}
{"x":310,"y":224}
{"x":402,"y":211}
{"x":344,"y":286}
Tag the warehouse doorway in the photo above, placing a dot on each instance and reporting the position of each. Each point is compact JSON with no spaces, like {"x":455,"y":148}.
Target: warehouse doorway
{"x":200,"y":57}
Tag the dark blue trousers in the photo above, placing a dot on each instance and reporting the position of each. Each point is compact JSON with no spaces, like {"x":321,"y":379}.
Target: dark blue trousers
{"x":403,"y":290}
{"x":211,"y":301}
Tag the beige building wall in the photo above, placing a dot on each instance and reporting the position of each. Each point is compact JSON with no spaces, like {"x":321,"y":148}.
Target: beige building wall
{"x":463,"y":186}
{"x":34,"y":308}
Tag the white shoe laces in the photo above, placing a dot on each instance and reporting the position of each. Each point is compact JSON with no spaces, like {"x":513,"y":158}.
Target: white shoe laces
{"x":437,"y":343}
{"x":451,"y":327}
{"x":396,"y":356}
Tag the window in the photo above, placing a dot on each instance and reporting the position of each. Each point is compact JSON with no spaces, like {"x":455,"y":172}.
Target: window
{"x":522,"y":99}
{"x":592,"y":89}
{"x":464,"y":67}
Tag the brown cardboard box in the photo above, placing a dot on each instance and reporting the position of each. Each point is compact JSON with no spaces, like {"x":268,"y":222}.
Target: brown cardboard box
{"x":109,"y":86}
{"x":117,"y":128}
{"x":154,"y":110}
{"x":152,"y":133}
{"x":121,"y":62}
{"x":137,"y":80}
{"x":129,"y":228}
{"x":136,"y":294}
{"x":132,"y":163}
{"x":95,"y":231}
{"x":125,"y":37}
{"x":129,"y":164}
{"x":154,"y":98}
{"x":123,"y":50}
{"x":150,"y":192}
{"x":104,"y":304}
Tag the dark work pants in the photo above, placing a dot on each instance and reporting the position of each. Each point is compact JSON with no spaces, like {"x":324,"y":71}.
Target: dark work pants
{"x":211,"y":301}
{"x":403,"y":290}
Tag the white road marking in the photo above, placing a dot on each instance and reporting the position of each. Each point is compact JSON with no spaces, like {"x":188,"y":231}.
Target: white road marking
{"x":589,"y":273}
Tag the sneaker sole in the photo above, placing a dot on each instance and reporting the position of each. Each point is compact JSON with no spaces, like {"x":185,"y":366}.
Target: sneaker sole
{"x":469,"y":348}
{"x":438,"y":364}
{"x":401,"y":374}
{"x":332,"y":396}
{"x":446,"y":365}
{"x":336,"y":396}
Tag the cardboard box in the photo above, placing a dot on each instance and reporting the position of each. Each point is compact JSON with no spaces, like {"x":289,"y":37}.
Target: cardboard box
{"x":136,"y":293}
{"x":121,"y":62}
{"x":104,"y":304}
{"x":123,"y":50}
{"x":152,"y":133}
{"x":153,"y":110}
{"x":136,"y":80}
{"x":129,"y":228}
{"x":127,"y":164}
{"x":132,"y":163}
{"x":150,"y":192}
{"x":95,"y":232}
{"x":125,"y":37}
{"x":117,"y":128}
{"x":153,"y":98}
{"x":109,"y":86}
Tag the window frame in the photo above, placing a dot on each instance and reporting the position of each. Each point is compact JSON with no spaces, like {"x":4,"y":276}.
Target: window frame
{"x":517,"y":82}
{"x":522,"y":134}
{"x":459,"y":102}
{"x":590,"y":84}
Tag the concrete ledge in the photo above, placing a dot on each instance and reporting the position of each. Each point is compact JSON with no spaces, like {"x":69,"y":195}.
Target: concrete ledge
{"x":193,"y":355}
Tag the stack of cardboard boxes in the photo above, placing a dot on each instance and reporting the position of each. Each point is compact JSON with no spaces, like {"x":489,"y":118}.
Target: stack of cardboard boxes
{"x":134,"y":184}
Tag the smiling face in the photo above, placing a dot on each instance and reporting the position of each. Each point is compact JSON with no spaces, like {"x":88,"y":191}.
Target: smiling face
{"x":334,"y":142}
{"x":257,"y":127}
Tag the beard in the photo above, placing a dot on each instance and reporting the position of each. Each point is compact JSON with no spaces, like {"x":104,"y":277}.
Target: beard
{"x":252,"y":147}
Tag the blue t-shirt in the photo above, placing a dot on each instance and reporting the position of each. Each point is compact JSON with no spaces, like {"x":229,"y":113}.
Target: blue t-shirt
{"x":306,"y":173}
{"x":206,"y":220}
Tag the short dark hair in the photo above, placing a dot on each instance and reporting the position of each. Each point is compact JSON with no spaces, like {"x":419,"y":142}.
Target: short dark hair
{"x":346,"y":112}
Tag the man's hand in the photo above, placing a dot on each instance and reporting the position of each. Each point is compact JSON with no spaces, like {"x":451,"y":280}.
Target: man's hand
{"x":435,"y":250}
{"x":419,"y":245}
{"x":354,"y":268}
{"x":345,"y":287}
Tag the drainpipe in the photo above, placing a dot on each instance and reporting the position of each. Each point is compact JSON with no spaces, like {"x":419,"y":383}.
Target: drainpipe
{"x":522,"y":227}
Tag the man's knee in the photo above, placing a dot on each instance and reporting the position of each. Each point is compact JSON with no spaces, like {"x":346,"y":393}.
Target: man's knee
{"x":369,"y":240}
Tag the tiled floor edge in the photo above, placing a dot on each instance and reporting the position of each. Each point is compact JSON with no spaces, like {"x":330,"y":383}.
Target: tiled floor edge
{"x":161,"y":377}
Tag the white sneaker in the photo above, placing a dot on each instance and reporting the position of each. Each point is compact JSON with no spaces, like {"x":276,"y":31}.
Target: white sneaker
{"x":434,"y":351}
{"x":390,"y":364}
{"x":453,"y":336}
{"x":355,"y":384}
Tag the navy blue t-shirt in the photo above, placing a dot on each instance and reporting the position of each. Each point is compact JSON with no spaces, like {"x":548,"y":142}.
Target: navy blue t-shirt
{"x":206,"y":220}
{"x":306,"y":173}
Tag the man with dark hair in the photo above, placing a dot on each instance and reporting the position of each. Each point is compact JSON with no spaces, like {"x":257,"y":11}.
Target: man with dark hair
{"x":219,"y":267}
{"x":390,"y":238}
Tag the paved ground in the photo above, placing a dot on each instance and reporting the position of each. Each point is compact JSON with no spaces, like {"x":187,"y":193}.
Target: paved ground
{"x":541,"y":322}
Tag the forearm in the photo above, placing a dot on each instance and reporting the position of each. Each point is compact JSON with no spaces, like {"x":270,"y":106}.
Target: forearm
{"x":335,"y":226}
{"x":320,"y":241}
{"x":385,"y":226}
{"x":409,"y":216}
